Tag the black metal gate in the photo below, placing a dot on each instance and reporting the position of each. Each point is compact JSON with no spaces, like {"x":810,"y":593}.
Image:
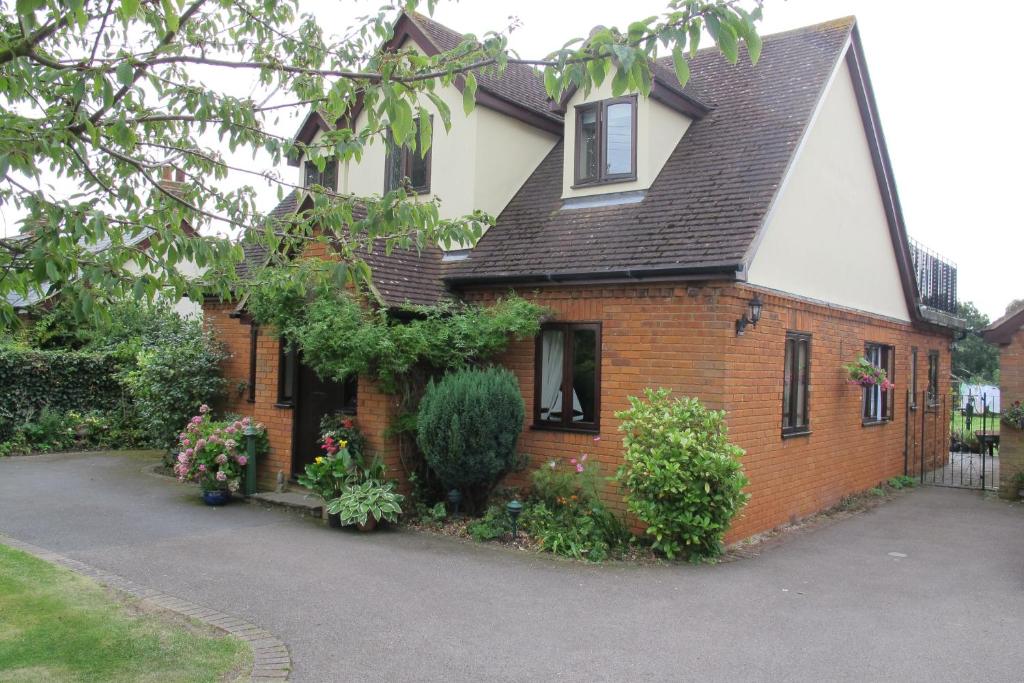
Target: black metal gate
{"x":961,"y":452}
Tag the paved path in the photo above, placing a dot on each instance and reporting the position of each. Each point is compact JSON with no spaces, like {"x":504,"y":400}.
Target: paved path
{"x":830,"y":604}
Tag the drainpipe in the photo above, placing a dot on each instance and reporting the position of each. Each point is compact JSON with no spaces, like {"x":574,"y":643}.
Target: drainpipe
{"x":250,"y":459}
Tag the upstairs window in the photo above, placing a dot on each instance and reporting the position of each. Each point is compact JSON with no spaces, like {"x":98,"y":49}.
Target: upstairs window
{"x":878,"y":403}
{"x":606,"y":141}
{"x":405,"y":165}
{"x":328,"y":178}
{"x":568,"y":364}
{"x":796,"y":380}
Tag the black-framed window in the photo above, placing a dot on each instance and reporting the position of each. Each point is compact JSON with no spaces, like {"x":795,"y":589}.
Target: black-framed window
{"x":254,"y":336}
{"x":327,"y":178}
{"x":913,"y":377}
{"x":405,"y":164}
{"x":287,"y":370}
{"x":796,"y":384}
{"x":933,"y":378}
{"x":567,"y":389}
{"x":878,"y":402}
{"x":605,"y":141}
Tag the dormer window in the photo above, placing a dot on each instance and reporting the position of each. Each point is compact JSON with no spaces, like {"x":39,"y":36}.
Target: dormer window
{"x":606,"y":141}
{"x":327,"y":178}
{"x":405,"y":162}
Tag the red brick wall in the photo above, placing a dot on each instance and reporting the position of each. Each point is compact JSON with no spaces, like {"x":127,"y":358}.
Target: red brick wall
{"x":683,"y":338}
{"x":1011,"y":446}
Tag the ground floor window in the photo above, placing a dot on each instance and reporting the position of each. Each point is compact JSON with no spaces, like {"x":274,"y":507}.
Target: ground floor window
{"x":286,"y":372}
{"x":254,"y":337}
{"x":878,"y":402}
{"x":933,"y":378}
{"x":568,"y":364}
{"x":796,"y":383}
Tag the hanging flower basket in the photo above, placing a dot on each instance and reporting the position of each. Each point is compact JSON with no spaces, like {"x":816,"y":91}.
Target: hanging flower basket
{"x":1014,"y":416}
{"x":864,"y":374}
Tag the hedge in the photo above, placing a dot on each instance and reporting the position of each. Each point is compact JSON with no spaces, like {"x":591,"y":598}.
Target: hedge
{"x":31,"y":380}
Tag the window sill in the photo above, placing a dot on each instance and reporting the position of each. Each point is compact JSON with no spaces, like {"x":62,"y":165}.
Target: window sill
{"x":801,"y":432}
{"x":284,"y":404}
{"x":582,"y":185}
{"x":875,"y":423}
{"x":541,"y":427}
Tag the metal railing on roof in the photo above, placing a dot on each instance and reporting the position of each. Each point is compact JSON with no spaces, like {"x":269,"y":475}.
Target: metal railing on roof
{"x":936,"y":278}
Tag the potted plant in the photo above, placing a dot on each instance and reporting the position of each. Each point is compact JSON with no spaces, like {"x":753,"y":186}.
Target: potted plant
{"x":865,"y":374}
{"x":329,"y":474}
{"x":1014,"y":416}
{"x":367,"y":503}
{"x":210,"y":454}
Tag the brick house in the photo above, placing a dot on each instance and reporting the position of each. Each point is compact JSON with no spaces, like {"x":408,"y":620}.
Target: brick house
{"x":739,"y":240}
{"x":1008,"y":334}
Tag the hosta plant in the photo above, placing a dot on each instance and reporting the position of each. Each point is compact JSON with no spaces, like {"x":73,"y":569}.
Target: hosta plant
{"x":371,"y":499}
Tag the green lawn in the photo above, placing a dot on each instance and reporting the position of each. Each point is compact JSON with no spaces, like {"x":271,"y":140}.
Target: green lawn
{"x":991,"y":423}
{"x":58,"y":626}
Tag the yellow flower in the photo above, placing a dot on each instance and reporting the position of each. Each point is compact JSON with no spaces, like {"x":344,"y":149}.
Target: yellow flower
{"x":342,"y":443}
{"x":319,"y":459}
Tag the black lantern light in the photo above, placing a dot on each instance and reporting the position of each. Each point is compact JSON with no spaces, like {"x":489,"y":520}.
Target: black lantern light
{"x":514,"y":509}
{"x":755,"y":305}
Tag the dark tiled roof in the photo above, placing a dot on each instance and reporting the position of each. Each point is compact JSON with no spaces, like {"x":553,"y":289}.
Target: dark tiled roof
{"x":519,"y":84}
{"x":404,"y":276}
{"x":1002,"y":331}
{"x":711,"y":197}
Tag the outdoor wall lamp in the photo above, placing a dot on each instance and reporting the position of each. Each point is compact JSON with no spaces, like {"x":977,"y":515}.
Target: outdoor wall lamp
{"x":755,"y":314}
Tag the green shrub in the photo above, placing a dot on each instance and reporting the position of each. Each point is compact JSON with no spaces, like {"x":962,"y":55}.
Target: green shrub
{"x":681,"y":476}
{"x":173,"y":378}
{"x":572,"y":530}
{"x":493,"y":525}
{"x":468,"y":426}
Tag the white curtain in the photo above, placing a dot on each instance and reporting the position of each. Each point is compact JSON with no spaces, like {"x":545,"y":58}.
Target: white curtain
{"x":553,"y":352}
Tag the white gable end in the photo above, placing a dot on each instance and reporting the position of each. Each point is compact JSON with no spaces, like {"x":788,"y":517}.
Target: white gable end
{"x":827,"y":237}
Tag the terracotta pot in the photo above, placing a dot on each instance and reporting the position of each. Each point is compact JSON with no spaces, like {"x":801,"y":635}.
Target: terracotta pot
{"x":370,"y":525}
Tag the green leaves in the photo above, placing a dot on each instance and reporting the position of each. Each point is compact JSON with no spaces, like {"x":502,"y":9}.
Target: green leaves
{"x":682,"y":67}
{"x":469,"y":94}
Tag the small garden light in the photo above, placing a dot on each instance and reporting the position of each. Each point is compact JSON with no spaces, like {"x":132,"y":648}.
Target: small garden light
{"x":455,"y":497}
{"x":514,"y":509}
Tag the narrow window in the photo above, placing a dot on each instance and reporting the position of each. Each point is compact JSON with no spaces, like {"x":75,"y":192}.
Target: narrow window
{"x":933,"y":378}
{"x":328,"y":178}
{"x":796,"y":380}
{"x":878,"y":402}
{"x":568,"y":364}
{"x":606,"y":141}
{"x":407,"y":164}
{"x":350,"y":401}
{"x":286,"y":366}
{"x":913,"y":377}
{"x":254,"y":336}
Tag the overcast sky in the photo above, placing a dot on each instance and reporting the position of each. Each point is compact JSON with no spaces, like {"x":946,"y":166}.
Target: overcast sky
{"x":949,"y":103}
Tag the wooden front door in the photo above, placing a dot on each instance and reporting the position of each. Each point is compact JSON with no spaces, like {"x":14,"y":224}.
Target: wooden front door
{"x":314,"y":399}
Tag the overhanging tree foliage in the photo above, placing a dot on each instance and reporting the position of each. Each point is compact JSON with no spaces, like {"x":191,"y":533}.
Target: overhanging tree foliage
{"x":974,"y":359}
{"x":103,"y":94}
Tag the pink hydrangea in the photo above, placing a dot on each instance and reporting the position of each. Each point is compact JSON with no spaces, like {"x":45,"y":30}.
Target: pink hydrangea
{"x":246,"y":421}
{"x":221,"y":459}
{"x":200,"y":444}
{"x":186,"y":442}
{"x":221,"y":476}
{"x":204,"y":409}
{"x":182,"y":436}
{"x":182,"y":458}
{"x":231,"y":429}
{"x":213,"y":439}
{"x":202,"y":468}
{"x":230,"y":444}
{"x":189,"y":452}
{"x":242,"y":460}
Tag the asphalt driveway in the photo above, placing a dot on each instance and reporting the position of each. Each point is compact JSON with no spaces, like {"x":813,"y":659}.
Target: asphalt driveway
{"x":927,"y":587}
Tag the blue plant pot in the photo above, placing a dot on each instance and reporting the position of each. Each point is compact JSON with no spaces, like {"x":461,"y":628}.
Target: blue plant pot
{"x":216,"y":498}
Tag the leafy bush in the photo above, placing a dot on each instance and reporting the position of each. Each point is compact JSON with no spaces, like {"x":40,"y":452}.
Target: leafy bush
{"x":179,"y":372}
{"x":1014,"y":415}
{"x":468,"y":426}
{"x":493,"y":525}
{"x":681,"y":475}
{"x":902,"y":482}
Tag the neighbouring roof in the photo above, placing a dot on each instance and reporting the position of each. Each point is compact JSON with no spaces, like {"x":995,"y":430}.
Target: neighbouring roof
{"x":1002,"y":330}
{"x":403,"y":277}
{"x":706,"y":207}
